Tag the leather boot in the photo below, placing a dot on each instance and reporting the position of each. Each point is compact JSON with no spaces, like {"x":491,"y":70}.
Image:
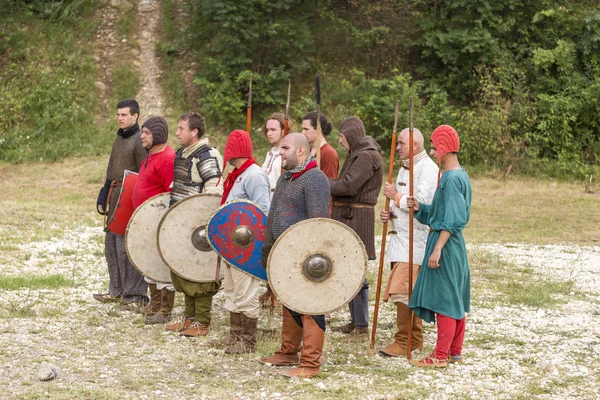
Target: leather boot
{"x":235,"y":332}
{"x":310,"y":358}
{"x":164,"y":315}
{"x":291,"y":339}
{"x":247,"y":344}
{"x":155,"y":300}
{"x":398,"y":347}
{"x":180,"y":325}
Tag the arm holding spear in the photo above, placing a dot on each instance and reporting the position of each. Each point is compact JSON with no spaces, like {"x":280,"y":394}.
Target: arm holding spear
{"x":384,"y":233}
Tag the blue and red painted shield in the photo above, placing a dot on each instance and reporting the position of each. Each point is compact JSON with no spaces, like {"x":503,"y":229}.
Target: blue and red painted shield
{"x":236,"y":231}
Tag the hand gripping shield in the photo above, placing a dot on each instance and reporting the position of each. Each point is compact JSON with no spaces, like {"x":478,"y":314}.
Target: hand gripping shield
{"x":121,"y":215}
{"x":237,"y":232}
{"x":316,"y":266}
{"x":182,"y":241}
{"x":140,"y":238}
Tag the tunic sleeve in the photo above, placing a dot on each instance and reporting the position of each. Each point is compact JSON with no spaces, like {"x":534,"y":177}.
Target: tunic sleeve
{"x":423,"y":214}
{"x":354,"y":178}
{"x":167,"y":173}
{"x":456,"y":215}
{"x":316,"y":196}
{"x":258,"y":189}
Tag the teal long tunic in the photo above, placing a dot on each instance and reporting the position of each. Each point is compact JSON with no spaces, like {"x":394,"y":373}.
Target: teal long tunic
{"x":447,"y":289}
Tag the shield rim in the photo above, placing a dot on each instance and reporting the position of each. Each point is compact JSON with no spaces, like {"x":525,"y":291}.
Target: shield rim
{"x":218,"y":278}
{"x":127,"y":234}
{"x":314,"y":220}
{"x":210,"y":238}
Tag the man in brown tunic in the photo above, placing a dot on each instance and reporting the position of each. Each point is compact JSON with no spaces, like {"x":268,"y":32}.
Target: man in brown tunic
{"x":354,"y":195}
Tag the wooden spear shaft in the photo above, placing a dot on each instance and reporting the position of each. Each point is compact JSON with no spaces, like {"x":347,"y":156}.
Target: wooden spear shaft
{"x":249,"y":109}
{"x":384,"y":233}
{"x":286,"y":122}
{"x":411,"y":157}
{"x":319,"y":130}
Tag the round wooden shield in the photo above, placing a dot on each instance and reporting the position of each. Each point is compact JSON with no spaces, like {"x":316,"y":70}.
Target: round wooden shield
{"x":140,"y":238}
{"x":237,"y":232}
{"x":183,"y":242}
{"x":316,"y":266}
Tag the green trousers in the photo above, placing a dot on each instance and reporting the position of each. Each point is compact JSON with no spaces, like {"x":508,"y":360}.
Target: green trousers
{"x":198,"y":297}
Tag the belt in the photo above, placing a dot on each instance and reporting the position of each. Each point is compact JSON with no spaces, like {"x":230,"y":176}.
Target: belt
{"x":392,"y":233}
{"x":272,"y":190}
{"x":353,"y":205}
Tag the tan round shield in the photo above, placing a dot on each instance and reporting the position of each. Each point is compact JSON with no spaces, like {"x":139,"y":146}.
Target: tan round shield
{"x":182,"y":241}
{"x":317,"y":266}
{"x":140,"y":238}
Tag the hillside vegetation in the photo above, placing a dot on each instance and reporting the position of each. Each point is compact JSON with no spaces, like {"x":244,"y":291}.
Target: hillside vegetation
{"x":519,"y":79}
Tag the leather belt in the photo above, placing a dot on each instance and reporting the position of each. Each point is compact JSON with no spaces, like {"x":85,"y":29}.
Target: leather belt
{"x":392,"y":233}
{"x":353,"y":205}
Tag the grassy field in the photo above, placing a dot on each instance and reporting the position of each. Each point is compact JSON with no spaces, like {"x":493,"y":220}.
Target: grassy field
{"x":52,"y":261}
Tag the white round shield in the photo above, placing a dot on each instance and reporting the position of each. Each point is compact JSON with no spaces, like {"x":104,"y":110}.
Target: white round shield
{"x":183,"y":242}
{"x":317,"y":265}
{"x":140,"y":238}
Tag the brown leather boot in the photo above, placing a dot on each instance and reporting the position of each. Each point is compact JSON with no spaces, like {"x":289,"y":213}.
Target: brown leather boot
{"x":235,"y":332}
{"x":398,"y":347}
{"x":155,"y":300}
{"x":247,"y":344}
{"x":164,"y":315}
{"x":196,"y":328}
{"x":180,"y":325}
{"x":310,"y":358}
{"x":291,"y":339}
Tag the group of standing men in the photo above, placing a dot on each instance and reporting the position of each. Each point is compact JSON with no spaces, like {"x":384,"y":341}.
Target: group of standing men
{"x":298,"y":180}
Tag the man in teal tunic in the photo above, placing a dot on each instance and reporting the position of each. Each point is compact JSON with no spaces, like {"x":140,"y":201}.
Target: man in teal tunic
{"x":442,"y":291}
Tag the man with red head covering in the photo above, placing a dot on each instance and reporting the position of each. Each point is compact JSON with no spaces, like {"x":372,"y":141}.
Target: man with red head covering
{"x":250,"y":182}
{"x":442,"y":291}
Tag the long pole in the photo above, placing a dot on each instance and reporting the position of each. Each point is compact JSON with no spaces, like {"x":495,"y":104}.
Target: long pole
{"x":384,"y":233}
{"x":249,"y":109}
{"x":319,"y":130}
{"x":411,"y":157}
{"x":286,"y":122}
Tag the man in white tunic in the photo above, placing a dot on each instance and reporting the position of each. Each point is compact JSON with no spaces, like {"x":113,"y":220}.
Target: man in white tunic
{"x":425,"y":175}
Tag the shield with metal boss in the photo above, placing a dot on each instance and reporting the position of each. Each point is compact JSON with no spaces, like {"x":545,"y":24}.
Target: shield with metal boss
{"x":317,"y":266}
{"x":140,"y":238}
{"x":182,"y":240}
{"x":237,"y":232}
{"x":120,"y":216}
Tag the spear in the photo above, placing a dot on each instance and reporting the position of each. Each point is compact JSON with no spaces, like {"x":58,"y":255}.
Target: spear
{"x":384,"y":233}
{"x":286,"y":122}
{"x":411,"y":157}
{"x":319,"y":131}
{"x":249,"y":109}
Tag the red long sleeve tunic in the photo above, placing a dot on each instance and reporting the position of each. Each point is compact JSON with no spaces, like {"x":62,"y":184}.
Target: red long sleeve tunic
{"x":156,"y":176}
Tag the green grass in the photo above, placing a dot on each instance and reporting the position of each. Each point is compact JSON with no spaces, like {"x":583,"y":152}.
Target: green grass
{"x":51,"y":49}
{"x":515,"y":285}
{"x":128,"y":82}
{"x":33,"y":282}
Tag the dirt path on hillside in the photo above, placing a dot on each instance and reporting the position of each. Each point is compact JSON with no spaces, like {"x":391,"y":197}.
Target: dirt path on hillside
{"x":109,"y":45}
{"x":150,"y":95}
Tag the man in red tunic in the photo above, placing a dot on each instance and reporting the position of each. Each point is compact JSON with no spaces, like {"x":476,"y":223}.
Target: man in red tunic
{"x":155,"y":177}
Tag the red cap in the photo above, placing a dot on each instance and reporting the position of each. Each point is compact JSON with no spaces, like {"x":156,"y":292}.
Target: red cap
{"x":238,"y":145}
{"x":446,"y":140}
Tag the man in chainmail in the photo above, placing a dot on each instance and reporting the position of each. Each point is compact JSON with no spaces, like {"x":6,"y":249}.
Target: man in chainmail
{"x":302,"y":192}
{"x":354,"y":195}
{"x":125,"y":282}
{"x":198,"y":169}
